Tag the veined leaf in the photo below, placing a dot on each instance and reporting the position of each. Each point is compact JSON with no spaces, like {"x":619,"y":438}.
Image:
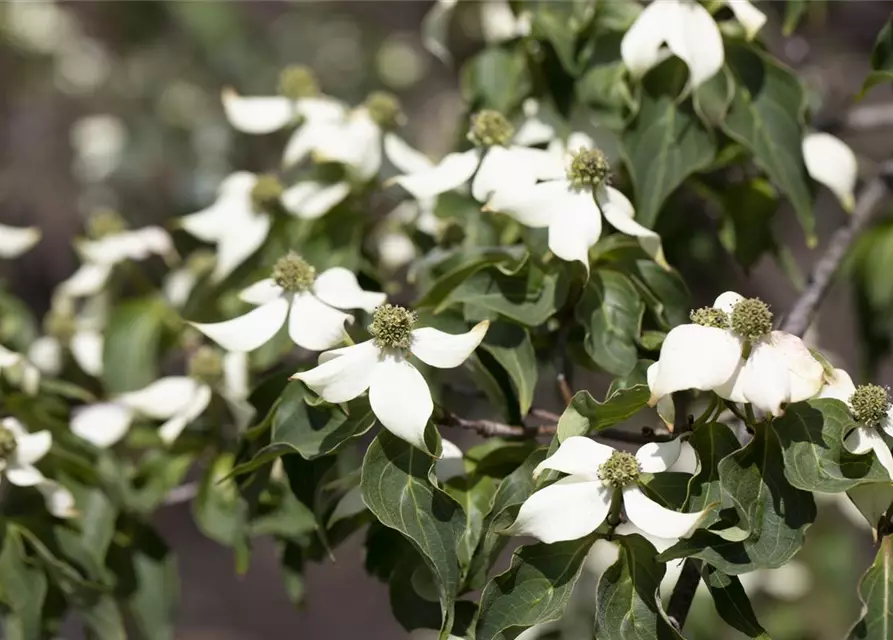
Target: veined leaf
{"x":510,"y":345}
{"x":132,"y":339}
{"x":876,"y":592}
{"x":732,"y":603}
{"x":585,"y":415}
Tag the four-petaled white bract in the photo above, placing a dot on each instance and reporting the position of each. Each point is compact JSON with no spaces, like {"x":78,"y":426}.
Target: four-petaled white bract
{"x":238,"y":227}
{"x":177,"y":400}
{"x":863,"y":438}
{"x":14,"y":241}
{"x":778,"y":370}
{"x":398,"y":393}
{"x":313,"y":316}
{"x":689,"y":33}
{"x":18,"y":467}
{"x":572,"y":213}
{"x":578,"y":504}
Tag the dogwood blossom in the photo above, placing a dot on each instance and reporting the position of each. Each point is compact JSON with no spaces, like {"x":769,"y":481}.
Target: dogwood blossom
{"x":398,"y":393}
{"x":572,"y":201}
{"x":294,"y":293}
{"x":579,"y":503}
{"x":832,"y":163}
{"x":19,"y":451}
{"x":176,"y":400}
{"x":67,"y":331}
{"x":14,"y":241}
{"x":871,"y":407}
{"x":730,"y":349}
{"x":238,"y":221}
{"x":689,"y":33}
{"x":498,"y":163}
{"x":20,"y":371}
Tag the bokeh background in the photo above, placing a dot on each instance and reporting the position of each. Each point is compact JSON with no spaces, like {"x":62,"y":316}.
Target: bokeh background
{"x":116,"y":104}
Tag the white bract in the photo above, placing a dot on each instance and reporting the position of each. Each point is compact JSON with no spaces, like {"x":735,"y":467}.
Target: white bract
{"x":19,"y":451}
{"x":871,"y":408}
{"x":688,"y":31}
{"x":176,"y":400}
{"x":730,"y":349}
{"x":498,"y":24}
{"x":571,"y":201}
{"x":295,"y":294}
{"x":20,"y":371}
{"x":14,"y":241}
{"x":499,"y":164}
{"x":579,"y":503}
{"x":398,"y":393}
{"x":832,"y":163}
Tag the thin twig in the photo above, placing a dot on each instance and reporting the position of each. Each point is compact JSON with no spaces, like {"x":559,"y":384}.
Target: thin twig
{"x":545,"y":415}
{"x":868,"y":202}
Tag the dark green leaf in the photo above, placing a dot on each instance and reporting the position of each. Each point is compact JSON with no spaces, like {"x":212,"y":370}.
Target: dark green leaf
{"x":414,"y":598}
{"x":611,"y":313}
{"x":535,"y":589}
{"x":746,"y":230}
{"x":132,"y":339}
{"x":510,"y":345}
{"x":585,"y":415}
{"x":732,"y":603}
{"x":713,"y":98}
{"x":712,"y":442}
{"x":815,"y":459}
{"x":766,"y":116}
{"x":794,"y":11}
{"x":876,"y":592}
{"x":23,"y":588}
{"x":664,"y":145}
{"x":397,"y":489}
{"x":881,"y":58}
{"x":460,"y":265}
{"x":497,"y":78}
{"x":628,"y":598}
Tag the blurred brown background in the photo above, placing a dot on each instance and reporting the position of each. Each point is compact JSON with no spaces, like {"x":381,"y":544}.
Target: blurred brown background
{"x":117,"y":104}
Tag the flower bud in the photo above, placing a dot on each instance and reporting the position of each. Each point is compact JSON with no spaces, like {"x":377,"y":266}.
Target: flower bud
{"x":297,"y":81}
{"x":751,"y":319}
{"x":293,"y":273}
{"x":589,"y":167}
{"x":870,"y":403}
{"x":384,"y":109}
{"x":392,"y":326}
{"x":266,"y":192}
{"x":489,"y":128}
{"x":620,"y":470}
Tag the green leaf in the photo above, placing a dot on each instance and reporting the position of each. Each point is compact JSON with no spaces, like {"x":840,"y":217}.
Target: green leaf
{"x":510,"y":345}
{"x":628,"y":598}
{"x":664,"y":145}
{"x":794,"y":10}
{"x":219,"y":510}
{"x":664,"y":291}
{"x":611,"y":313}
{"x":811,"y":435}
{"x":397,"y":488}
{"x":712,"y":442}
{"x":103,"y":619}
{"x":497,"y":78}
{"x":732,"y":603}
{"x":585,"y":415}
{"x":881,"y":58}
{"x":774,"y":513}
{"x":746,"y":230}
{"x":23,"y":588}
{"x":17,"y":327}
{"x":559,"y":23}
{"x":876,"y":592}
{"x":529,"y":298}
{"x":414,"y":597}
{"x":536,"y":588}
{"x":456,"y":267}
{"x":132,"y":339}
{"x":713,"y":98}
{"x":766,"y":116}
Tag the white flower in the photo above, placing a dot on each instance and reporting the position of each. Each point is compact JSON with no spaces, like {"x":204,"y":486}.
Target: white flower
{"x":688,"y":31}
{"x":708,"y":355}
{"x":398,"y":393}
{"x":46,"y":353}
{"x":578,"y":504}
{"x":572,"y":201}
{"x":237,"y":222}
{"x":266,"y":114}
{"x":450,"y":465}
{"x":19,"y":450}
{"x":177,"y":400}
{"x":499,"y":164}
{"x":19,"y":371}
{"x":498,"y":24}
{"x":832,"y":163}
{"x":864,"y":438}
{"x":309,"y":303}
{"x":14,"y":241}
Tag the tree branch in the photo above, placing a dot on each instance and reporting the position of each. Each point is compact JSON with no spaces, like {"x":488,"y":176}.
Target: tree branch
{"x":823,"y":272}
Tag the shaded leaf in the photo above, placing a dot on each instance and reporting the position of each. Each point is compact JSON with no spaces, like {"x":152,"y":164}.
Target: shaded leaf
{"x":876,"y":592}
{"x":585,"y":415}
{"x":510,"y":345}
{"x":732,"y":603}
{"x":881,"y":58}
{"x":611,"y":314}
{"x":497,"y":78}
{"x":132,"y":340}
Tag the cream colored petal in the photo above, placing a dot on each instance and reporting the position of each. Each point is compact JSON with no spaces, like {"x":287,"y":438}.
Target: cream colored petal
{"x":861,"y":440}
{"x":666,"y":408}
{"x":31,"y":447}
{"x":163,"y":398}
{"x":435,"y":29}
{"x":451,"y":462}
{"x":257,"y":114}
{"x":839,"y":386}
{"x":695,"y":357}
{"x":261,"y":292}
{"x":503,"y":170}
{"x":321,"y":109}
{"x":751,"y":18}
{"x":88,"y":280}
{"x":657,"y":520}
{"x":23,"y":475}
{"x":498,"y":21}
{"x":832,"y":163}
{"x":250,"y":331}
{"x":569,"y":509}
{"x":446,"y":350}
{"x":314,"y":325}
{"x":576,"y":226}
{"x":805,"y":372}
{"x":655,"y":457}
{"x":242,"y":238}
{"x":534,"y":206}
{"x":171,"y":430}
{"x":86,"y":347}
{"x":14,"y":241}
{"x":619,"y":213}
{"x":453,"y":171}
{"x":695,"y":38}
{"x":726,"y":301}
{"x":641,"y":45}
{"x":312,"y":200}
{"x":303,"y":141}
{"x":577,"y":456}
{"x":59,"y":500}
{"x":102,"y":424}
{"x":46,"y":354}
{"x":401,"y":400}
{"x":178,"y":286}
{"x":403,"y":157}
{"x":338,"y":287}
{"x":235,"y":374}
{"x":344,"y":375}
{"x":765,"y":380}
